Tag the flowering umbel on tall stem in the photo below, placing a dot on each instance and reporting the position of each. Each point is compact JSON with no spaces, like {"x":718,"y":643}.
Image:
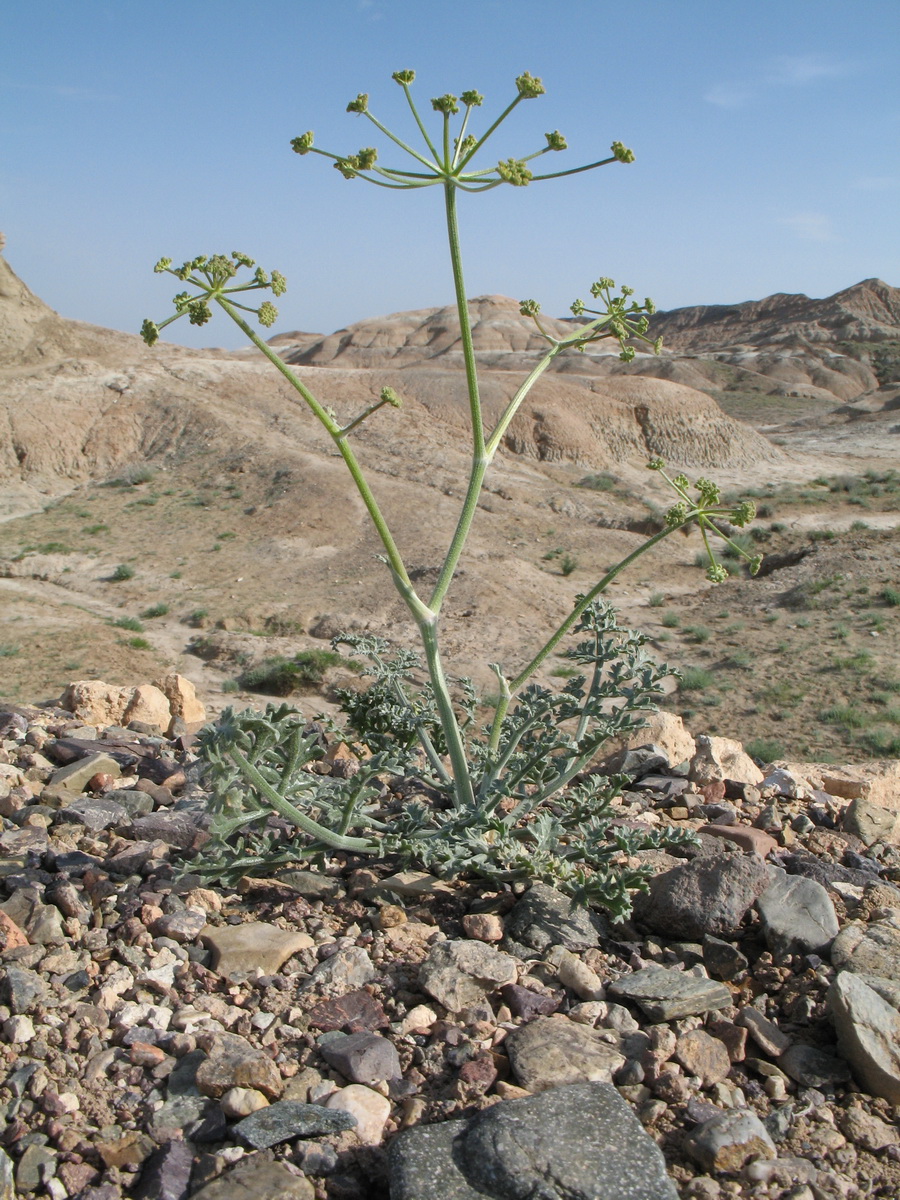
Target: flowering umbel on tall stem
{"x":533,"y":749}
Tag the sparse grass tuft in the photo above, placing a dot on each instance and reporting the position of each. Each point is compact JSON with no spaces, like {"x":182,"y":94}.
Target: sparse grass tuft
{"x":764,"y":750}
{"x":695,"y":679}
{"x":131,"y":623}
{"x":155,"y":610}
{"x":122,"y":571}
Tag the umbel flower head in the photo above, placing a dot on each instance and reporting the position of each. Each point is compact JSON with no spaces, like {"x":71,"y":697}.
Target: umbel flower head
{"x":617,"y":317}
{"x":211,"y":275}
{"x":446,"y":157}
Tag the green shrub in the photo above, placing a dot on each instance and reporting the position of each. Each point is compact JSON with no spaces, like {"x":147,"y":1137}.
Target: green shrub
{"x":696,"y":679}
{"x":891,"y":596}
{"x":131,"y":623}
{"x":567,"y":564}
{"x":280,"y":676}
{"x":122,"y":571}
{"x":671,"y":620}
{"x":8,"y":649}
{"x":138,"y":643}
{"x":764,"y":750}
{"x":155,"y":610}
{"x":657,"y":599}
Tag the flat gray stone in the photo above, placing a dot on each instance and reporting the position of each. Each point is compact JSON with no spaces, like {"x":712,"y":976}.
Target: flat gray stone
{"x":363,"y":1057}
{"x":257,"y":1178}
{"x":870,"y":822}
{"x":75,"y":776}
{"x":666,"y":995}
{"x":812,"y":1067}
{"x":868,"y":949}
{"x":580,"y":1142}
{"x":461,"y":972}
{"x":253,"y":944}
{"x":93,"y":812}
{"x":551,"y":1051}
{"x":868,"y":1030}
{"x":287,"y":1119}
{"x":21,"y":989}
{"x":706,"y":896}
{"x":545,"y":917}
{"x":797,"y":915}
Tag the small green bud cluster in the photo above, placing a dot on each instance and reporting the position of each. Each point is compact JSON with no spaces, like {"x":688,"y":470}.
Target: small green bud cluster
{"x":304,"y":143}
{"x":529,"y":308}
{"x":622,"y":153}
{"x":703,"y":510}
{"x":621,"y":318}
{"x":446,"y":104}
{"x":472,"y":99}
{"x":389,"y":396}
{"x":404,"y":78}
{"x":528,"y":87}
{"x":211,"y":274}
{"x":360,"y":104}
{"x":515,"y":171}
{"x":556,"y":141}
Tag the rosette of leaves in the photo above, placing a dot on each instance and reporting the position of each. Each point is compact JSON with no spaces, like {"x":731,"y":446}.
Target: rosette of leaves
{"x":530,"y":818}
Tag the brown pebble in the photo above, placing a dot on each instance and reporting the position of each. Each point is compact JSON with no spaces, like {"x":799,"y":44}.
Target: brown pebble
{"x":483,"y":927}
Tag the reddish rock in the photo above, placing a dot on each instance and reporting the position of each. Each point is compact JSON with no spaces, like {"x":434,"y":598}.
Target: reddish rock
{"x":747,"y":837}
{"x":356,"y":1012}
{"x":10,"y":933}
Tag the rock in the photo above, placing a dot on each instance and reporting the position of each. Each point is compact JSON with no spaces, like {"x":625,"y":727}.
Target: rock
{"x":166,"y":1174}
{"x":722,"y":959}
{"x":240,"y":1102}
{"x":148,"y":704}
{"x":174,"y":828}
{"x":183,"y":926}
{"x":11,"y":935}
{"x":707,"y":895}
{"x":744,"y":837}
{"x":369,"y":1109}
{"x":797,"y":915}
{"x":667,"y":733}
{"x":528,"y":1004}
{"x":878,"y":782}
{"x":181,"y":696}
{"x":233,"y":1062}
{"x":18,"y":1030}
{"x":812,"y":1067}
{"x":577,"y":975}
{"x":93,"y":812}
{"x":353,"y":1013}
{"x":258,"y":1178}
{"x":21,"y":989}
{"x":41,"y":923}
{"x":130,"y":1150}
{"x":253,"y":945}
{"x":868,"y":1031}
{"x":551,"y":1051}
{"x":458,"y":973}
{"x":344,"y":972}
{"x":32,"y":1166}
{"x":727,"y":1142}
{"x":721,"y":758}
{"x":703,"y":1056}
{"x":312,"y":885}
{"x":545,"y":917}
{"x":483,"y":927}
{"x":362,"y":1057}
{"x":666,"y":995}
{"x":287,"y":1119}
{"x":872,"y":949}
{"x":766,"y":1034}
{"x":871,"y":823}
{"x":866,"y":1130}
{"x":75,"y":776}
{"x":95,"y":702}
{"x":580,"y":1142}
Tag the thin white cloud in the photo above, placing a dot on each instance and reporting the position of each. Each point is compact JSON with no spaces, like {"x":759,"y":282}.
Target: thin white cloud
{"x":785,"y":70}
{"x":57,"y":89}
{"x":729,"y":95}
{"x":794,"y":70}
{"x":811,"y":226}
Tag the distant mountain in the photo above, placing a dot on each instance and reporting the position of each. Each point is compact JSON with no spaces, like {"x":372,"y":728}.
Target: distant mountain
{"x":866,"y":312}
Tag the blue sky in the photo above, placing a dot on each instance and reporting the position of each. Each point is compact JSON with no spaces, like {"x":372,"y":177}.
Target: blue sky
{"x":766,"y":134}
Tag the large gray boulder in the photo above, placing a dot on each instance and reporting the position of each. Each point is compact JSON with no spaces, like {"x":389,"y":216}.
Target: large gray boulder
{"x":580,"y":1142}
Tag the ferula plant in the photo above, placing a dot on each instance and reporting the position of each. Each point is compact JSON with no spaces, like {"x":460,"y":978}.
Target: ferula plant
{"x":509,"y":798}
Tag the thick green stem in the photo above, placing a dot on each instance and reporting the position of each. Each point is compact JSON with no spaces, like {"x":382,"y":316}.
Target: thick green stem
{"x":464,"y":794}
